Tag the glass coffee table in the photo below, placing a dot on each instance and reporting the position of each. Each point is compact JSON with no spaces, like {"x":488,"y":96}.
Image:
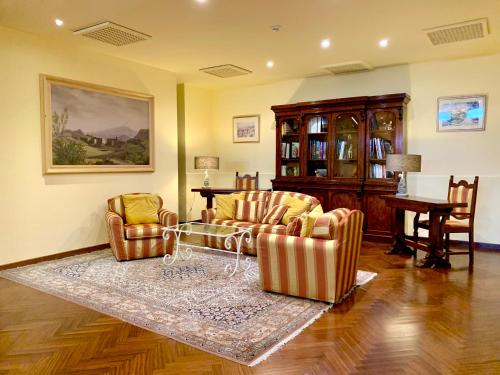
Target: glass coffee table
{"x":231,"y":235}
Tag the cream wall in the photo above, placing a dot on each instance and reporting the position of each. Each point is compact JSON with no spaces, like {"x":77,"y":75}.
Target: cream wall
{"x":200,"y":141}
{"x":42,"y":215}
{"x":463,"y":154}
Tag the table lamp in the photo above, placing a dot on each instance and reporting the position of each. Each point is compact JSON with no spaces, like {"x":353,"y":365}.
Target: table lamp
{"x":206,"y":163}
{"x":403,"y":163}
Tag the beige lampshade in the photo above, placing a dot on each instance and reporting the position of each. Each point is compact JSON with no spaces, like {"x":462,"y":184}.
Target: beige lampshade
{"x":403,"y":163}
{"x":206,"y":162}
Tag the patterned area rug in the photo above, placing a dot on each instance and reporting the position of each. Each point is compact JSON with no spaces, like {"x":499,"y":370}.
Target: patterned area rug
{"x":192,"y":301}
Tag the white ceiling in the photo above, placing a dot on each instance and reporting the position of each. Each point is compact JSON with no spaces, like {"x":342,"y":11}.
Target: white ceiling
{"x":187,"y":36}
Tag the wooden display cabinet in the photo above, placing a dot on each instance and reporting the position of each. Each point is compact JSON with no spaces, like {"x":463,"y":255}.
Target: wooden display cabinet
{"x":335,"y":150}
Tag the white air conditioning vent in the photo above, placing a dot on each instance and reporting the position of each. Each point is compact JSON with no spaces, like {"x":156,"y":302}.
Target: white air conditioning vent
{"x":111,"y":33}
{"x":348,"y":67}
{"x":458,"y":32}
{"x":226,"y":71}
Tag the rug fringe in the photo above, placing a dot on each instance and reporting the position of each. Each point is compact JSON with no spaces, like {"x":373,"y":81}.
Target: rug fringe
{"x":283,"y":342}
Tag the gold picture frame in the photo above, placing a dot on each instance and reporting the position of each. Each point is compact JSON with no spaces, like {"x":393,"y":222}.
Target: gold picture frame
{"x":246,"y":129}
{"x":89,"y":128}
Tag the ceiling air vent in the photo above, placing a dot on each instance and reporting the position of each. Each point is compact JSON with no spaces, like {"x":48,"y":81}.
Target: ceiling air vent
{"x":348,"y":67}
{"x":458,"y":32}
{"x":111,"y":33}
{"x":226,"y":71}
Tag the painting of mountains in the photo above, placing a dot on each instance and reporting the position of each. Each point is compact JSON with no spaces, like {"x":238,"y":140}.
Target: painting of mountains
{"x":96,"y":129}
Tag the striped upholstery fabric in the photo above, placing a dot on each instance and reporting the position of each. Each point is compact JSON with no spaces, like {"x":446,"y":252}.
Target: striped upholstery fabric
{"x":246,"y":182}
{"x":121,"y":235}
{"x":279,"y":197}
{"x":262,"y":196}
{"x":274,"y":214}
{"x":208,"y":216}
{"x":327,"y":225}
{"x":294,"y":227}
{"x":252,"y":211}
{"x":137,"y":231}
{"x":461,"y":194}
{"x":312,"y":268}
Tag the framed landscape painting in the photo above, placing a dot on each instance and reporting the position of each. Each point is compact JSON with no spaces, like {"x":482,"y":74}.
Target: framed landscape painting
{"x":88,"y":128}
{"x":246,"y":129}
{"x":457,"y":113}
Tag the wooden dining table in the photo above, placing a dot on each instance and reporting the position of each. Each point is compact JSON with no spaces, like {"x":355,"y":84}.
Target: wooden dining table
{"x":439,"y":210}
{"x":209,"y":193}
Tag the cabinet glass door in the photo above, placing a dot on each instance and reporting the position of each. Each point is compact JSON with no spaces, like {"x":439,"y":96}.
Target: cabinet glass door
{"x":317,"y":145}
{"x":346,"y":145}
{"x":290,"y":147}
{"x":382,"y":135}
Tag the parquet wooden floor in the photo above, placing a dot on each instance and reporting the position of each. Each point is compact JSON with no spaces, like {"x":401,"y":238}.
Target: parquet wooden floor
{"x":406,"y":321}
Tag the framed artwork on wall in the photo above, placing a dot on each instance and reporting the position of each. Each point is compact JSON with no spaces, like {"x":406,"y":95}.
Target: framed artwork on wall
{"x":88,"y":128}
{"x":460,"y":113}
{"x":246,"y":128}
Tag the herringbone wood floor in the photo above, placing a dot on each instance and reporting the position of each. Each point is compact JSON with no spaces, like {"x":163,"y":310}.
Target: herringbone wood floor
{"x":405,"y":321}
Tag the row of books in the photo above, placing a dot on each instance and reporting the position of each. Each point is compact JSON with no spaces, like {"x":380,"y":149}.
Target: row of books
{"x":289,"y":128}
{"x":378,"y":171}
{"x":290,"y":150}
{"x":318,"y":150}
{"x":380,"y":147}
{"x":344,"y":150}
{"x":318,"y":125}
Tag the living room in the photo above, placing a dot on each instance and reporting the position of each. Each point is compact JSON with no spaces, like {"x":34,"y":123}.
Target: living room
{"x":193,"y":116}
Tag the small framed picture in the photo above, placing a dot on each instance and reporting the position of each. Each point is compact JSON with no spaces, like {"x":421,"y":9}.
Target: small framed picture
{"x":246,"y":128}
{"x":456,"y":113}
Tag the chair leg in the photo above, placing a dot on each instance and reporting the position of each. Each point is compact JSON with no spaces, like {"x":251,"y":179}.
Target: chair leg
{"x":447,"y":246}
{"x":415,"y":232}
{"x":472,"y":246}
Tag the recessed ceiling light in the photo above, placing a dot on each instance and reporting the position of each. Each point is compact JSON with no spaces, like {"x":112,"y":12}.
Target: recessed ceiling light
{"x":383,"y":43}
{"x":59,"y":22}
{"x":201,"y":1}
{"x":325,"y":43}
{"x":270,"y":64}
{"x":276,"y":28}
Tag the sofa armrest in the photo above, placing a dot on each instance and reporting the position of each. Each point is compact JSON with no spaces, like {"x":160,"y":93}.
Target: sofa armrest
{"x":208,"y":215}
{"x":167,"y":218}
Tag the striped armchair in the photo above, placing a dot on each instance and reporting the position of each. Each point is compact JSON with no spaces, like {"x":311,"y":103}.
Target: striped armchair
{"x":320,"y":269}
{"x":135,"y":241}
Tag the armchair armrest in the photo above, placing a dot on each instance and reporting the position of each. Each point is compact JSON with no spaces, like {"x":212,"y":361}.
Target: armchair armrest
{"x":114,"y":225}
{"x":167,"y":218}
{"x":208,"y":215}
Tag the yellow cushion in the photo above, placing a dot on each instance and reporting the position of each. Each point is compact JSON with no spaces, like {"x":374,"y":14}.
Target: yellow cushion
{"x":308,"y":220}
{"x":296,"y":207}
{"x":141,"y":208}
{"x":226,"y":204}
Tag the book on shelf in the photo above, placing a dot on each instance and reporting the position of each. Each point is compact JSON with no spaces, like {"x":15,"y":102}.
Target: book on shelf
{"x":289,"y":128}
{"x":317,"y":150}
{"x":295,"y":149}
{"x":378,"y":171}
{"x":380,"y":147}
{"x":283,"y":170}
{"x":344,"y":150}
{"x":318,"y":124}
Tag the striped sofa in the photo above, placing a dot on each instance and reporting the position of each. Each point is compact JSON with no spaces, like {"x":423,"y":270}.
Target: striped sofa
{"x":313,"y":268}
{"x":140,"y":240}
{"x":271,"y":199}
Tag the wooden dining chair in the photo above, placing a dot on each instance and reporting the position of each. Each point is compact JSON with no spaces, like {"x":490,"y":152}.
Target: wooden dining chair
{"x":247,"y":182}
{"x":462,"y":218}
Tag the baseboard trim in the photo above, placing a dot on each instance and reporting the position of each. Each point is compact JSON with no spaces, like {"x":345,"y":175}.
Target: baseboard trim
{"x":479,"y":245}
{"x":55,"y":256}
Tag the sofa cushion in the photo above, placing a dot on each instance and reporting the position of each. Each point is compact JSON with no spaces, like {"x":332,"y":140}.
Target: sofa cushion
{"x":252,"y":211}
{"x":255,"y":227}
{"x":262,"y":196}
{"x":141,"y":208}
{"x":138,"y":231}
{"x":226,"y":204}
{"x":326,"y":226}
{"x":293,"y":229}
{"x":295,"y":208}
{"x":278,"y":197}
{"x":308,"y":219}
{"x":275,"y":214}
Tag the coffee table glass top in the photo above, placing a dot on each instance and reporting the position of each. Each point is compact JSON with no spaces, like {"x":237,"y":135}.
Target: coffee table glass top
{"x":206,"y":229}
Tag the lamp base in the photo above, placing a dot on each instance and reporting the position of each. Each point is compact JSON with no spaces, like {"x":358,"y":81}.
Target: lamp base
{"x":206,"y":181}
{"x":402,"y":195}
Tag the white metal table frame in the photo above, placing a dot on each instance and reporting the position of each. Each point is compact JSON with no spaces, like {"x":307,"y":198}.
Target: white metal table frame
{"x":240,"y":235}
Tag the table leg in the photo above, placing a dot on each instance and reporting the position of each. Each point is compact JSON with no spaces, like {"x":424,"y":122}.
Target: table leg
{"x":434,"y":258}
{"x":398,"y":229}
